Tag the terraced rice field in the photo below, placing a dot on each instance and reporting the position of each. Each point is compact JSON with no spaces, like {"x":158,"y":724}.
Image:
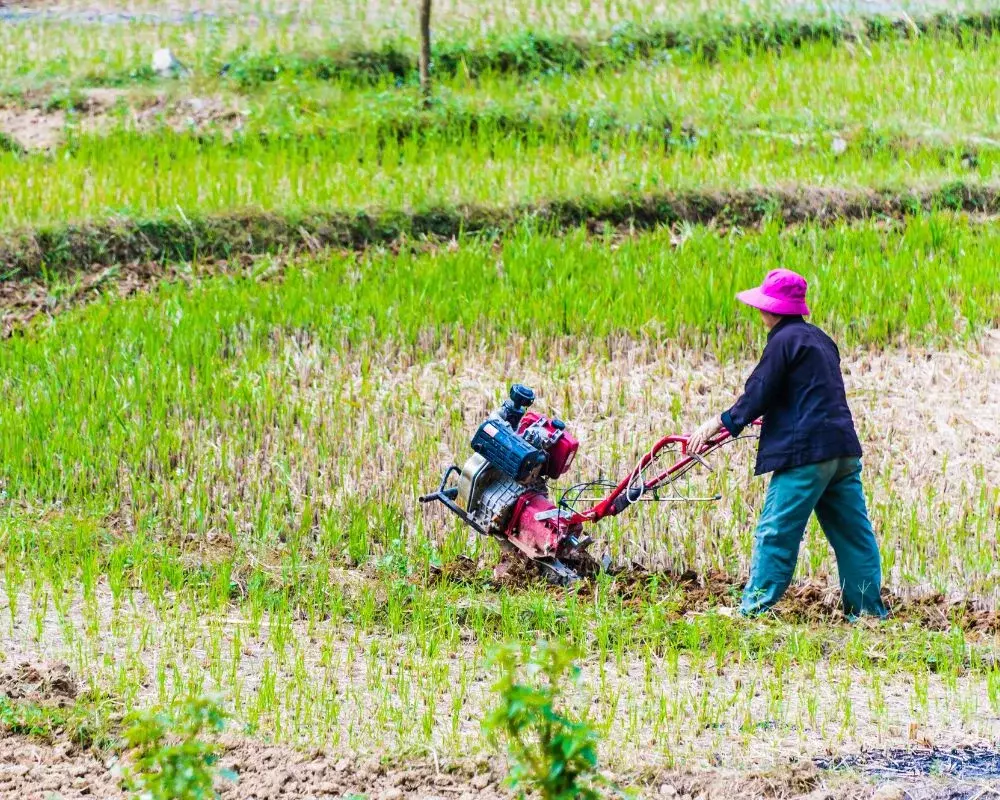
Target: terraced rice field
{"x":250,"y":312}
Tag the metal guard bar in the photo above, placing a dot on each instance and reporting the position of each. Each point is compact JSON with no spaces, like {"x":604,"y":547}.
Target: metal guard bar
{"x":446,"y":495}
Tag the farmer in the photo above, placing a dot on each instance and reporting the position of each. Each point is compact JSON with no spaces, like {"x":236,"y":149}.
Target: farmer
{"x":809,"y":443}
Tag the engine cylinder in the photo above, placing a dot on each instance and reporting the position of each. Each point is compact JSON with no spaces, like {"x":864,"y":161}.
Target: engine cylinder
{"x":559,"y":444}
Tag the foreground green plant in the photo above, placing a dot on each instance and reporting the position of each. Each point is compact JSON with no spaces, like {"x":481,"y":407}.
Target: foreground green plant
{"x":551,"y":752}
{"x":171,"y":758}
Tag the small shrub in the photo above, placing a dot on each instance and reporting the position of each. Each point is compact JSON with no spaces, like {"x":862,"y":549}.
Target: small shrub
{"x":170,"y":758}
{"x":551,"y":753}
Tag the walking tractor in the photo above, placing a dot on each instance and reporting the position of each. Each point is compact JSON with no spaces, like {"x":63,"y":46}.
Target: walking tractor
{"x":502,"y":489}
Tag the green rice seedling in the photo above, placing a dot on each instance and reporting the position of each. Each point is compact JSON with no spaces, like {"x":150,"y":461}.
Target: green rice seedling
{"x":777,"y":116}
{"x":85,"y":722}
{"x":806,"y":96}
{"x":355,"y":173}
{"x":400,"y":306}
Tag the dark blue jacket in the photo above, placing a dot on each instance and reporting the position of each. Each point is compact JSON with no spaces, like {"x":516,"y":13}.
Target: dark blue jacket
{"x":798,"y":389}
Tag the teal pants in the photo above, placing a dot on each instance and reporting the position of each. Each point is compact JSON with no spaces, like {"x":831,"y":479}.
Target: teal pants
{"x":833,"y":490}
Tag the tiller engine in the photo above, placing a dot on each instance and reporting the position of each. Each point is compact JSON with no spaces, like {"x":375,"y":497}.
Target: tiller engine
{"x":502,"y":489}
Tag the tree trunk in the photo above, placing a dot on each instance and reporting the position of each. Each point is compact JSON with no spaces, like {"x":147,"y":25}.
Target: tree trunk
{"x":425,"y":51}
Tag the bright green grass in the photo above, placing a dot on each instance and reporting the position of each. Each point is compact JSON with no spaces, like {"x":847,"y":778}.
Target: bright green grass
{"x":174,"y":175}
{"x":814,"y":90}
{"x":808,"y":90}
{"x":936,"y":86}
{"x":212,"y":488}
{"x":909,"y":86}
{"x":740,"y":111}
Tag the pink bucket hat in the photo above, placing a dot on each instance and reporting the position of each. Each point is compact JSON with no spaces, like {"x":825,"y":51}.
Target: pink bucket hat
{"x":782,"y":292}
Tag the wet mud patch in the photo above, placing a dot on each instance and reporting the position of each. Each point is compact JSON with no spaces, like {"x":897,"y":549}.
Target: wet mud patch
{"x":815,"y":601}
{"x":463,"y":571}
{"x":694,"y":593}
{"x":974,"y":762}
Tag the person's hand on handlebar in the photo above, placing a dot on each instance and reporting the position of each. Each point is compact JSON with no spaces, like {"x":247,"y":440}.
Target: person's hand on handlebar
{"x":705,"y":431}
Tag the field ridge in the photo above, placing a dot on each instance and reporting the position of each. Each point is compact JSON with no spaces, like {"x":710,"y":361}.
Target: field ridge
{"x":533,"y":53}
{"x":121,"y":240}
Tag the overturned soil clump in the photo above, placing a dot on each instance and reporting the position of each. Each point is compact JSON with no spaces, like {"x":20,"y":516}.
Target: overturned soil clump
{"x":48,"y":683}
{"x":31,"y":770}
{"x":279,"y":772}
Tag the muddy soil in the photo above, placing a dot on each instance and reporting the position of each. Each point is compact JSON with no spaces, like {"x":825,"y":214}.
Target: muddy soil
{"x":266,"y":772}
{"x":23,"y":301}
{"x":808,"y":601}
{"x":974,"y":762}
{"x":32,"y":770}
{"x":29,"y":126}
{"x":28,"y":129}
{"x":958,"y":773}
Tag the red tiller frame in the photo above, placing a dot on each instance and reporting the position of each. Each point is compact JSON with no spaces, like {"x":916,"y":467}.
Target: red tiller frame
{"x":605,"y":507}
